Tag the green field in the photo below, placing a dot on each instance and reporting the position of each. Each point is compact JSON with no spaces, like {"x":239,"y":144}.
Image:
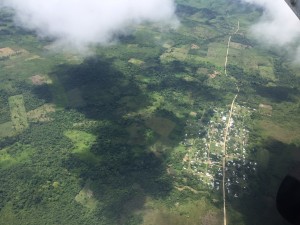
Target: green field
{"x":121,"y":136}
{"x":18,"y":113}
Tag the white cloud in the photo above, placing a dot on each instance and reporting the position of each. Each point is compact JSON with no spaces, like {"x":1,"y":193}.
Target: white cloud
{"x":279,"y":26}
{"x":84,"y":22}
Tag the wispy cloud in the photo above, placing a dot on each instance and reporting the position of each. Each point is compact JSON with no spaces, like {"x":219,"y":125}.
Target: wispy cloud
{"x":84,"y":22}
{"x":278,"y":26}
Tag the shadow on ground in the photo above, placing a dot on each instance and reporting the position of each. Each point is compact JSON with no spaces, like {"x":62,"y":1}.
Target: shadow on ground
{"x":122,"y":171}
{"x":259,"y":205}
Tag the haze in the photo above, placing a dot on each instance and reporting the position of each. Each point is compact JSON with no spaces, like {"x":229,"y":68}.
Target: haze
{"x":278,"y":26}
{"x":81,"y":23}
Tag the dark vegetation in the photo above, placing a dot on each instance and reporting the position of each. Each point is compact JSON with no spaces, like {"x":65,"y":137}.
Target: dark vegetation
{"x":105,"y":96}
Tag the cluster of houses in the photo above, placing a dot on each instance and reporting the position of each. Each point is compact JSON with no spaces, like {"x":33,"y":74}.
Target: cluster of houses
{"x":205,"y":152}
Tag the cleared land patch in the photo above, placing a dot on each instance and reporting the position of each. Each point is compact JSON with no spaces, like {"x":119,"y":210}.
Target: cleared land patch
{"x":86,"y":198}
{"x":6,"y":130}
{"x":6,"y":52}
{"x":216,"y":52}
{"x":40,"y":114}
{"x":82,"y":141}
{"x":136,"y":62}
{"x":40,"y":79}
{"x":281,"y":133}
{"x":199,"y":212}
{"x":265,"y":109}
{"x":172,"y":54}
{"x":8,"y":160}
{"x":267,"y":72}
{"x":204,"y":32}
{"x":18,"y":112}
{"x":238,"y":45}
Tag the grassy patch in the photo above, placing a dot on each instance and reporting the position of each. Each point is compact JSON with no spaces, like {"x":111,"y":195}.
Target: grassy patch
{"x":86,"y":198}
{"x":18,"y":112}
{"x":6,"y":130}
{"x":82,"y":143}
{"x":267,"y":72}
{"x":172,"y":54}
{"x":136,"y":62}
{"x":14,"y":154}
{"x":284,"y":134}
{"x":192,"y":212}
{"x":40,"y":114}
{"x":216,"y":53}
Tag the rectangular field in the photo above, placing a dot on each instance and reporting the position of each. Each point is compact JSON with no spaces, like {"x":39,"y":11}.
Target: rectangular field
{"x":18,"y":112}
{"x":6,"y":130}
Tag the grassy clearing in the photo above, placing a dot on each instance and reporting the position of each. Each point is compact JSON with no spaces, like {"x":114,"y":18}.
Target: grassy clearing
{"x":216,"y":53}
{"x":18,"y":112}
{"x":8,"y":159}
{"x":282,"y":133}
{"x":205,"y":32}
{"x":136,"y":62}
{"x":267,"y":72}
{"x":82,"y":141}
{"x":86,"y":198}
{"x":172,"y":54}
{"x":192,"y":212}
{"x":238,"y":46}
{"x":6,"y":130}
{"x":41,"y":114}
{"x":157,"y":100}
{"x":6,"y":52}
{"x":40,"y":79}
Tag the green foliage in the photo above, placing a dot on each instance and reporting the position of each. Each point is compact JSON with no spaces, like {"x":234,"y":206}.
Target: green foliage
{"x":114,"y":141}
{"x":18,"y":112}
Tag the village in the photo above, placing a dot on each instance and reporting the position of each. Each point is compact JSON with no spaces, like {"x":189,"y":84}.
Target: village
{"x":205,"y":151}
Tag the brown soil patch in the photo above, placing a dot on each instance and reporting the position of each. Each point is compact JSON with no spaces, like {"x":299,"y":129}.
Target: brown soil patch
{"x":5,"y":52}
{"x":213,"y":75}
{"x":193,"y":114}
{"x":186,"y":158}
{"x":194,"y":46}
{"x":40,"y":79}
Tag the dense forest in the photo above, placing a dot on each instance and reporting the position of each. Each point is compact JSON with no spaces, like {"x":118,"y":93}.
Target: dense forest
{"x":108,"y":138}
